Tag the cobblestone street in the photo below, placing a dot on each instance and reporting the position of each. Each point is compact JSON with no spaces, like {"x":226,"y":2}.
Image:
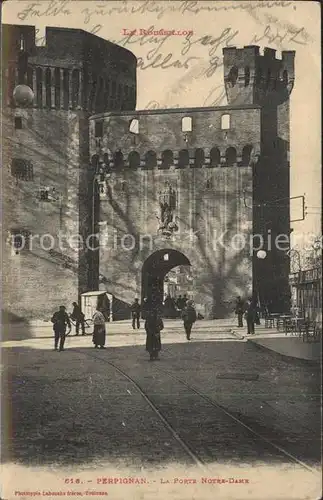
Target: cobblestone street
{"x":214,"y":401}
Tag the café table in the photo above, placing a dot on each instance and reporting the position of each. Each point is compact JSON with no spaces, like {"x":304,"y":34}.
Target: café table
{"x":270,"y":320}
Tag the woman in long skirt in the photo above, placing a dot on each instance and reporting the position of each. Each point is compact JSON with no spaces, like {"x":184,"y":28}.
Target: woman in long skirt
{"x":99,"y":329}
{"x":153,"y":327}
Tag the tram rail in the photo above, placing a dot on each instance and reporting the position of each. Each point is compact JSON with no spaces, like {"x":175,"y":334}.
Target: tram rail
{"x":193,"y":455}
{"x":170,"y":428}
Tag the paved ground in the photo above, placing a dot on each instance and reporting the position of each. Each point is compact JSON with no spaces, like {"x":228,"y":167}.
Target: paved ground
{"x":290,"y":345}
{"x":43,"y":329}
{"x":213,"y":402}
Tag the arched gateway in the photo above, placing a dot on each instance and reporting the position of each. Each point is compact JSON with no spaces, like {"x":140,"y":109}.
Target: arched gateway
{"x":205,"y":193}
{"x":154,"y":270}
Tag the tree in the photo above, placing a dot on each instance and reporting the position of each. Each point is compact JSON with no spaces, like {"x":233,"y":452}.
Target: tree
{"x":307,"y":257}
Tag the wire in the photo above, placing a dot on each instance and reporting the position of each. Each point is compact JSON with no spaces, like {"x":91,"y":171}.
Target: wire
{"x":288,"y":198}
{"x":271,"y":203}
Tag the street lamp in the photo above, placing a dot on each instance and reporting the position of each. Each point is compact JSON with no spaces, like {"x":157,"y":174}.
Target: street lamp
{"x":293,"y":251}
{"x":261,"y":254}
{"x":98,"y":179}
{"x":23,"y":96}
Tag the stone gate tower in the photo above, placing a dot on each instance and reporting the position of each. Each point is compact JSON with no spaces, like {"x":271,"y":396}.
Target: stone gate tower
{"x":266,"y":81}
{"x":192,"y":186}
{"x":47,"y":175}
{"x":162,"y":188}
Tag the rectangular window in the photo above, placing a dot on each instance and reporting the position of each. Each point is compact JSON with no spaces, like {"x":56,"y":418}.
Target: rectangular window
{"x":225,"y":122}
{"x":18,"y":122}
{"x":99,"y":129}
{"x":187,"y":124}
{"x":22,"y":169}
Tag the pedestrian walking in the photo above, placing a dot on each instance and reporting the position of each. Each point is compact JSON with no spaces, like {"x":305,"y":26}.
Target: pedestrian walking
{"x":250,"y":316}
{"x":257,"y":314}
{"x":153,"y":326}
{"x":99,"y":332}
{"x":239,"y":310}
{"x":60,"y":322}
{"x":169,"y":307}
{"x":135,"y":313}
{"x":189,"y":317}
{"x":79,"y":318}
{"x":179,"y":303}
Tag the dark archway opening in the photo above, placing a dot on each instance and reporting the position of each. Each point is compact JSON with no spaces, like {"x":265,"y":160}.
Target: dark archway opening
{"x":154,"y":270}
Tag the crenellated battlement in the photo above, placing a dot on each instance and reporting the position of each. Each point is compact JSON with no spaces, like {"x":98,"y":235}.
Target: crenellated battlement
{"x":68,"y":45}
{"x":73,"y":70}
{"x":244,"y":156}
{"x":177,"y":139}
{"x":254,"y":78}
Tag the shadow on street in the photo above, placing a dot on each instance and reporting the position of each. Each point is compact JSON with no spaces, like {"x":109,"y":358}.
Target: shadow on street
{"x":74,"y":407}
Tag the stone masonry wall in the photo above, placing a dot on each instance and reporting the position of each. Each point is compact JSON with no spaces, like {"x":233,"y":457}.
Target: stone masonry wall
{"x":37,"y":280}
{"x":73,"y":74}
{"x":208,"y":219}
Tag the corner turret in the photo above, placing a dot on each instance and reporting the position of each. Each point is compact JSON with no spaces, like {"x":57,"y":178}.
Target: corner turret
{"x":73,"y":70}
{"x":252,"y":78}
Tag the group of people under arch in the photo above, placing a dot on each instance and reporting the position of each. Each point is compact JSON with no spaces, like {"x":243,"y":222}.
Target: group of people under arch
{"x":152,"y":312}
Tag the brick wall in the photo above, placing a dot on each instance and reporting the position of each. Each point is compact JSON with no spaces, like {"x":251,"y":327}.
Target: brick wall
{"x":37,"y":280}
{"x":272,"y":191}
{"x":160,"y":130}
{"x":73,"y":74}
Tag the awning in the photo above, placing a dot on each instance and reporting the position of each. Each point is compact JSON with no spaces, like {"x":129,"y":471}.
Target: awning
{"x":93,"y":294}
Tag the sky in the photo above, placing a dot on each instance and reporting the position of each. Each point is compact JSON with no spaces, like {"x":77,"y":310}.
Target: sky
{"x":183,"y":69}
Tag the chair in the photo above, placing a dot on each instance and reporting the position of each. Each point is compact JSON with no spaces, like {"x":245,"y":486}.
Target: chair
{"x":317,"y":332}
{"x":290,"y":326}
{"x":307,"y":330}
{"x":280,"y":323}
{"x":297,"y":324}
{"x":269,"y":322}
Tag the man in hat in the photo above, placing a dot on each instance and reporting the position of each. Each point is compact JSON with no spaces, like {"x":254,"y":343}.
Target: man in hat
{"x":78,"y":317}
{"x":239,"y":310}
{"x":135,"y":313}
{"x":189,"y":318}
{"x":60,"y":322}
{"x":250,"y":316}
